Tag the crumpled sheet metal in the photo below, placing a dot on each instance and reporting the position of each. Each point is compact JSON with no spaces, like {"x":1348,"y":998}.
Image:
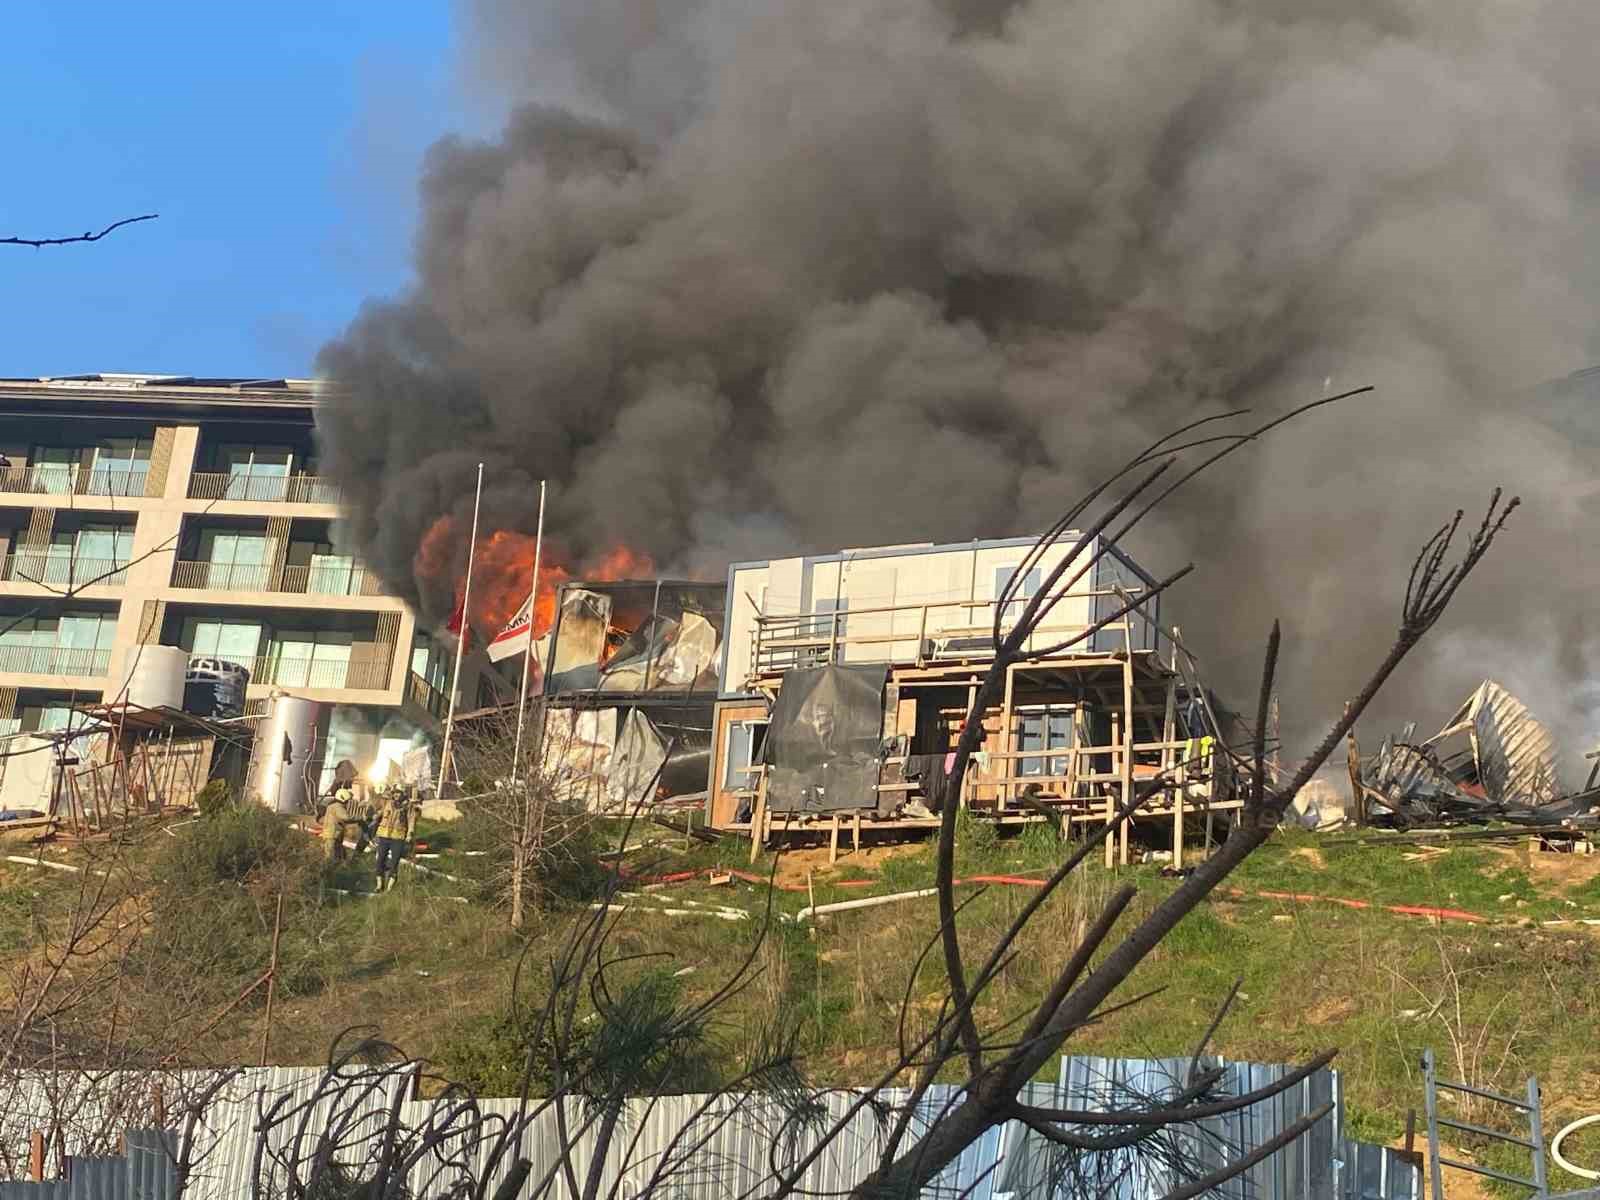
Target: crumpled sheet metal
{"x":1515,"y":753}
{"x":1507,"y":772}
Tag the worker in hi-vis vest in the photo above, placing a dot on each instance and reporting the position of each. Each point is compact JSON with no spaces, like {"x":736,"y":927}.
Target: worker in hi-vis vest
{"x":397,"y":819}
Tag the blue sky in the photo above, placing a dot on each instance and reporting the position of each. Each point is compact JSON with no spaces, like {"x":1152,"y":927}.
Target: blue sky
{"x":279,"y":142}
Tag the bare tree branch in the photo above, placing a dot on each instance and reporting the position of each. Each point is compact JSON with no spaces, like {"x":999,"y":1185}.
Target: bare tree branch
{"x":81,"y":237}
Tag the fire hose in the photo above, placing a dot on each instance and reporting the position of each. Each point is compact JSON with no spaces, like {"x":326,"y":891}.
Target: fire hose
{"x":1555,"y":1148}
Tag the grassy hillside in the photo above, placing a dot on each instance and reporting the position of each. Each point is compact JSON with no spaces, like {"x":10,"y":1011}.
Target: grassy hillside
{"x":1497,"y":1001}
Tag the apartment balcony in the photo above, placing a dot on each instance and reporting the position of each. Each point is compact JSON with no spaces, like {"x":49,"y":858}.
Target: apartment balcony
{"x":264,"y":489}
{"x":425,"y":696}
{"x":325,"y":580}
{"x":62,"y":571}
{"x":61,"y":479}
{"x":310,"y":673}
{"x":72,"y":661}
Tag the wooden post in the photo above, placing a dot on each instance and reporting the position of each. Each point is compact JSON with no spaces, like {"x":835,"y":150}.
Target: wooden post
{"x":1008,"y":741}
{"x":1276,"y":734}
{"x":272,"y":979}
{"x":1169,"y":730}
{"x":36,"y":1156}
{"x":1072,"y":762}
{"x":1111,"y":802}
{"x":758,"y":814}
{"x":855,"y":836}
{"x":833,"y":841}
{"x":1358,"y":792}
{"x":1127,"y":737}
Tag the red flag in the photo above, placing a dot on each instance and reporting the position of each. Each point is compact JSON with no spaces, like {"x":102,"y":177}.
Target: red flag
{"x":457,"y":624}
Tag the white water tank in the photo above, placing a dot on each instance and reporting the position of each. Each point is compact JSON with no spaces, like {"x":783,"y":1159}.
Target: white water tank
{"x":152,"y":677}
{"x":286,"y":744}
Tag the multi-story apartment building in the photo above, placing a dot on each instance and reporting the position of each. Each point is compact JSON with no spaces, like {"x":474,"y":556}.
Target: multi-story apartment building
{"x":139,"y":510}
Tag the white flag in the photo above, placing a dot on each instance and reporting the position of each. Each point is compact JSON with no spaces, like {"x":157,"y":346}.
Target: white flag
{"x":515,"y":637}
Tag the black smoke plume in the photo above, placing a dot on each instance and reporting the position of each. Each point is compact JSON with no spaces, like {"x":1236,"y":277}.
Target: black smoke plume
{"x":751,"y":277}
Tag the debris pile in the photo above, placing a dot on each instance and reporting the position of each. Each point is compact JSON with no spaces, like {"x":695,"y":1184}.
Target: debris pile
{"x":1492,"y":761}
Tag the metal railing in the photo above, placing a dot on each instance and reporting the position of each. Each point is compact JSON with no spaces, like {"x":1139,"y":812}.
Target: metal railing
{"x":423,"y":694}
{"x":266,"y":489}
{"x":261,"y":577}
{"x":277,"y":671}
{"x":62,"y":570}
{"x":933,"y":632}
{"x":232,"y":577}
{"x":330,"y":580}
{"x":73,"y":479}
{"x":55,"y":660}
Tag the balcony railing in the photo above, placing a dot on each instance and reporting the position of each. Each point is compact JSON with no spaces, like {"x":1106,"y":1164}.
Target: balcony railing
{"x":55,"y":660}
{"x":71,"y":479}
{"x":945,"y":631}
{"x":266,"y":489}
{"x":295,"y":672}
{"x":423,"y":694}
{"x":63,"y":571}
{"x":325,"y":580}
{"x":231,"y":577}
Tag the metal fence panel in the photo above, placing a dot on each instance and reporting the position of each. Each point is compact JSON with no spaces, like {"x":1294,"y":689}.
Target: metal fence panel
{"x":726,"y":1145}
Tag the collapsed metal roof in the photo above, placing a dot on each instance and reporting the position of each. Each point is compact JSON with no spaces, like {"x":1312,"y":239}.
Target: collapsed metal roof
{"x":1514,"y":752}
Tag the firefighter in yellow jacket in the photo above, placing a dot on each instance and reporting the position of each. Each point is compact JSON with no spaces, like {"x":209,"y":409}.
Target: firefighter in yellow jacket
{"x":397,"y":819}
{"x":335,"y":817}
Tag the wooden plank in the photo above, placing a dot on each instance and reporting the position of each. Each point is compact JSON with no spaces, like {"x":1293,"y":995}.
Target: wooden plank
{"x":1007,"y":735}
{"x":758,"y":818}
{"x":1168,"y":732}
{"x":1111,"y":803}
{"x":1127,"y":736}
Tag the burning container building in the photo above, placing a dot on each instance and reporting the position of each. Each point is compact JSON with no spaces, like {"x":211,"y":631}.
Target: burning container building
{"x":630,"y":681}
{"x":845,"y":679}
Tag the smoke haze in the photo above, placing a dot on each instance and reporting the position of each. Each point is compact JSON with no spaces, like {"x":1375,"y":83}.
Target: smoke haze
{"x":746,"y":279}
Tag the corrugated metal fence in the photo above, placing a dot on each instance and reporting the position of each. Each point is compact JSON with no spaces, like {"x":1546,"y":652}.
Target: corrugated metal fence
{"x":746,"y":1138}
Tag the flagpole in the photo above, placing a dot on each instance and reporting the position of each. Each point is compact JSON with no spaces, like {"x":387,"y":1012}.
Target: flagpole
{"x":527,"y":655}
{"x":461,"y":641}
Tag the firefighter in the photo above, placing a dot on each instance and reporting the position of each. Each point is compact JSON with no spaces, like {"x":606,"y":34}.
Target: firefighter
{"x":335,"y":815}
{"x":397,"y":819}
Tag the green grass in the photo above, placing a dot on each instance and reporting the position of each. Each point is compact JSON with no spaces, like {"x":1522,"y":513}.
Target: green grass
{"x":435,"y":975}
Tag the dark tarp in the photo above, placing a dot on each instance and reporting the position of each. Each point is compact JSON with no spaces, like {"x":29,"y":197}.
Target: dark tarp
{"x":822,"y":743}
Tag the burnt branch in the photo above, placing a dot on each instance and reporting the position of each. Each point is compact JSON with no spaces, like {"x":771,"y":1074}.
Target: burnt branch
{"x":80,"y":237}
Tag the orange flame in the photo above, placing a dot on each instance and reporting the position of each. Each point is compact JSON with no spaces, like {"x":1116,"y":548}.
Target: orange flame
{"x":502,"y":569}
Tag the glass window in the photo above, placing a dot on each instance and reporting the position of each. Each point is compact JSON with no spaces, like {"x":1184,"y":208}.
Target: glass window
{"x":330,"y":574}
{"x":237,"y":558}
{"x":310,"y":659}
{"x":744,"y":746}
{"x":87,"y":631}
{"x":29,"y":631}
{"x":1044,"y":729}
{"x":53,"y":717}
{"x":119,"y":467}
{"x":105,"y":543}
{"x":825,"y":610}
{"x":54,"y":468}
{"x":234,"y":641}
{"x":1027,"y":589}
{"x":256,"y":472}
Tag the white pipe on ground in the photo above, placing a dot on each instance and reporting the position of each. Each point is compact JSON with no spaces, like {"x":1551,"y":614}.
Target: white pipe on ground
{"x":822,"y":910}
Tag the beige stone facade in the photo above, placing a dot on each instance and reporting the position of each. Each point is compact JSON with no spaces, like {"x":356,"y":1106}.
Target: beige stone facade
{"x":140,"y":510}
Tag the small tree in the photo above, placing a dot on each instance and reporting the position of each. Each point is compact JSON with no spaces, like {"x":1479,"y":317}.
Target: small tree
{"x":533,"y":829}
